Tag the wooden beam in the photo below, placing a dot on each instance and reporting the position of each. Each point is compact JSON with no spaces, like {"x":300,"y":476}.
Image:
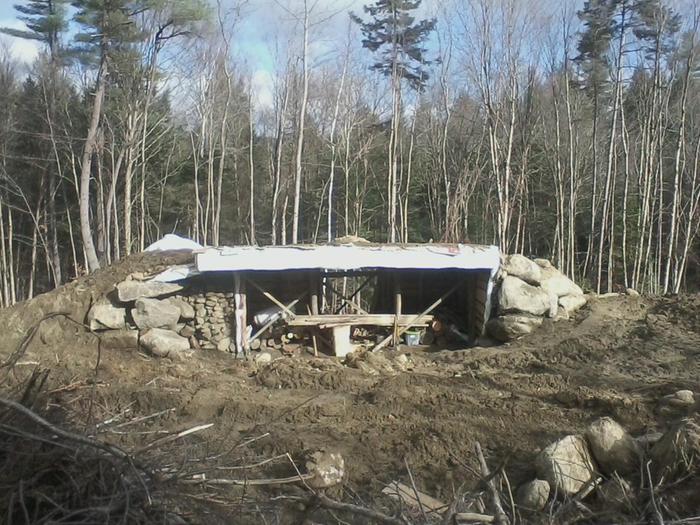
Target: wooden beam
{"x":273,"y":299}
{"x":360,"y":320}
{"x":397,"y":308}
{"x":313,"y":292}
{"x":359,"y":289}
{"x":347,"y":300}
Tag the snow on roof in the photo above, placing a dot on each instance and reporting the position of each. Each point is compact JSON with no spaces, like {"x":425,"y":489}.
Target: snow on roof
{"x":349,"y":257}
{"x":173,"y":242}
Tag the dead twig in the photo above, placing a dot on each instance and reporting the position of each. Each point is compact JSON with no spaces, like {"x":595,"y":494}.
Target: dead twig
{"x":500,"y":516}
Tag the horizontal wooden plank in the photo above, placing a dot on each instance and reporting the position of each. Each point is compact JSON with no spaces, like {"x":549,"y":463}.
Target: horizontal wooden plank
{"x":358,"y":320}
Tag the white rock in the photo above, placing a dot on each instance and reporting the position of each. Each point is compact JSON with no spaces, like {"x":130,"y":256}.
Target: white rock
{"x":555,"y":282}
{"x":566,"y":464}
{"x":263,"y":358}
{"x":104,"y":316}
{"x":164,"y":343}
{"x":632,"y":292}
{"x":523,"y":268}
{"x":515,"y":295}
{"x":572,"y":303}
{"x":543,"y":263}
{"x":612,"y":447}
{"x":152,"y":313}
{"x":128,"y":291}
{"x":533,"y":495}
{"x":328,"y":469}
{"x":508,"y":327}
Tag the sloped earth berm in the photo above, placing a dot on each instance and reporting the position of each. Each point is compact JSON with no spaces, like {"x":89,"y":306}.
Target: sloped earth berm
{"x":617,"y":358}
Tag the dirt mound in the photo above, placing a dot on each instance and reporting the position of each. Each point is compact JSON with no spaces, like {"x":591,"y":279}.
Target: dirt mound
{"x":388,"y":414}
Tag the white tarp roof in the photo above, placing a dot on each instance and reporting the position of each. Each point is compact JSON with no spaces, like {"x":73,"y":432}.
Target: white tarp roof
{"x":171,"y":241}
{"x":349,"y":257}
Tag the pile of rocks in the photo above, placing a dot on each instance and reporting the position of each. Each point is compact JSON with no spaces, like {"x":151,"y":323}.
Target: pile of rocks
{"x":152,"y":315}
{"x":166,"y":319}
{"x":606,"y":461}
{"x":527,"y":291}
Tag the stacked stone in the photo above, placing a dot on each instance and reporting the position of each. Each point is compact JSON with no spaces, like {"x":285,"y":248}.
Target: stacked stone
{"x":214,"y":317}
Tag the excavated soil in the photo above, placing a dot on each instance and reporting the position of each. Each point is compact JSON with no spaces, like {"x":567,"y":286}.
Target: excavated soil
{"x":383,"y":413}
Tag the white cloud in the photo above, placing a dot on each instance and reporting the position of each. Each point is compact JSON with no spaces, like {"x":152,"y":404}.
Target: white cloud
{"x":20,"y":48}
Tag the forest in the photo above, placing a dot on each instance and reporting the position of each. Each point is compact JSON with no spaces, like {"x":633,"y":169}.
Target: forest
{"x":564,"y":129}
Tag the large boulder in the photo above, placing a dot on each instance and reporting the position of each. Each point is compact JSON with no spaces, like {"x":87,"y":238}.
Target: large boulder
{"x":508,"y":327}
{"x":678,"y":451}
{"x":152,"y":313}
{"x":567,"y":465}
{"x":164,"y":343}
{"x":105,"y":316}
{"x":612,"y":446}
{"x":516,"y":296}
{"x":533,"y":495}
{"x":556,"y":283}
{"x":572,"y":303}
{"x":128,"y":291}
{"x":523,"y":268}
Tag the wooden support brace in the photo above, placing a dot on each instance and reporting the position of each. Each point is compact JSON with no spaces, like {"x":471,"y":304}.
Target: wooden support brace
{"x":272,"y":298}
{"x":240,"y":315}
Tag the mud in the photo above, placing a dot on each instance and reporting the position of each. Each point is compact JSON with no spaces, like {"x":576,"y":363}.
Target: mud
{"x":616,"y":358}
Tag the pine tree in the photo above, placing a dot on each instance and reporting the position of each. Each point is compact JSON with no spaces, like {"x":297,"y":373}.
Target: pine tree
{"x":400,"y":41}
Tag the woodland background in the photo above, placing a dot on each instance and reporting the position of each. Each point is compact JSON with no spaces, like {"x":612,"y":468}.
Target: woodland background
{"x":563,"y":129}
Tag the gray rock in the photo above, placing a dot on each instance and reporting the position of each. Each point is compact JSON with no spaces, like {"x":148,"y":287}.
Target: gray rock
{"x":572,"y":303}
{"x":328,"y":469}
{"x":533,"y":495}
{"x":523,"y":268}
{"x":129,"y":291}
{"x":566,"y":464}
{"x":555,"y":282}
{"x":612,"y":447}
{"x":120,"y":339}
{"x":676,"y":405}
{"x":187,"y":331}
{"x":152,"y":313}
{"x":164,"y":343}
{"x":508,"y":327}
{"x":516,"y":296}
{"x":186,"y":310}
{"x":104,"y":316}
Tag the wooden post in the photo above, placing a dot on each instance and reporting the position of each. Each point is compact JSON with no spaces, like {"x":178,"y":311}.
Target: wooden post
{"x":313,"y":292}
{"x":240,"y":314}
{"x":397,"y":308}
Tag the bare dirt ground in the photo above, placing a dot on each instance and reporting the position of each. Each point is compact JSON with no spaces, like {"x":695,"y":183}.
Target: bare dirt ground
{"x":386,"y":415}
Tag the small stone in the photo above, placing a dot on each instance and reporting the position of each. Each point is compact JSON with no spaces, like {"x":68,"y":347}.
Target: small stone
{"x":676,"y":405}
{"x":199,"y":300}
{"x":533,"y":495}
{"x":129,"y":291}
{"x":566,"y":464}
{"x":327,"y":468}
{"x":263,"y":358}
{"x":612,"y":447}
{"x":187,"y":331}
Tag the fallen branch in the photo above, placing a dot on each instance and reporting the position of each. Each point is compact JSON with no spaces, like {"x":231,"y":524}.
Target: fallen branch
{"x":500,"y":517}
{"x":331,"y":504}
